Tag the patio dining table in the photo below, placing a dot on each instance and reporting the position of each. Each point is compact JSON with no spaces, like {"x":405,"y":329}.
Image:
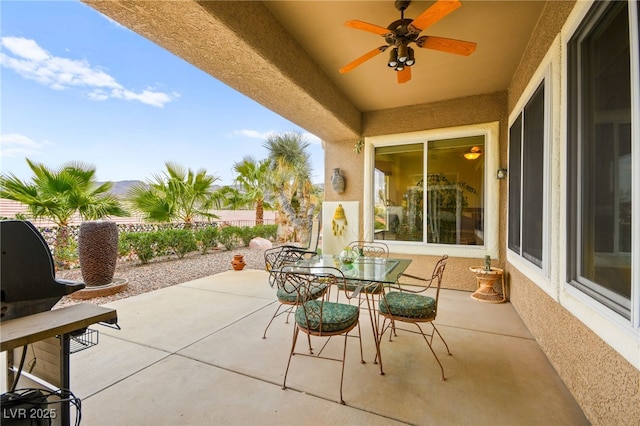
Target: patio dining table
{"x":368,"y":272}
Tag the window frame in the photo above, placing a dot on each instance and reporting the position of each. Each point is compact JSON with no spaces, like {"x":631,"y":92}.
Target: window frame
{"x":620,"y":333}
{"x":601,"y":295}
{"x":544,"y":75}
{"x":490,"y":131}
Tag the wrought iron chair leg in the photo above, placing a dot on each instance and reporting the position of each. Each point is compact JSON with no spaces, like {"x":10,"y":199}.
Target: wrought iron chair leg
{"x":293,"y":347}
{"x":344,"y":356}
{"x":442,"y":377}
{"x":309,"y":341}
{"x":441,"y":338}
{"x":360,"y":340}
{"x":264,"y":336}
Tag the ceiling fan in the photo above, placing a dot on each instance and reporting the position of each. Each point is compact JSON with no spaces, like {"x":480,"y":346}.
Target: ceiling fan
{"x":399,"y":34}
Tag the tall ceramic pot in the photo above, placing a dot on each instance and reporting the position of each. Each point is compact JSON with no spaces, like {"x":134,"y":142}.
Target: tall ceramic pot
{"x":337,"y":181}
{"x":98,"y":252}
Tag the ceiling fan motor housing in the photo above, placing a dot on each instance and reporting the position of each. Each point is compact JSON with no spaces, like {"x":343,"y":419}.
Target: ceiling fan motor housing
{"x":399,"y":31}
{"x":401,"y":5}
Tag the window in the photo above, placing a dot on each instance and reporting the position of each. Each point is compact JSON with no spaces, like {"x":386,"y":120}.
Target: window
{"x":600,"y":185}
{"x":527,"y":182}
{"x":431,"y":191}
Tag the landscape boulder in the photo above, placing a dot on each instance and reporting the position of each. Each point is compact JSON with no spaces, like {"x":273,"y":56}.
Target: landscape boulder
{"x":259,"y":243}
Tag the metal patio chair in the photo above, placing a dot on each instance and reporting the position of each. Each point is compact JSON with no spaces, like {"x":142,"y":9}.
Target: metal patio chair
{"x":406,"y":304}
{"x":319,"y":317}
{"x":275,"y":259}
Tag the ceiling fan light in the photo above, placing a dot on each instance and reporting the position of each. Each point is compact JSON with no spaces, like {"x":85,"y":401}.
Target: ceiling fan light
{"x":410,"y":58}
{"x":473,"y":154}
{"x":393,"y":58}
{"x":400,"y":66}
{"x":402,"y":52}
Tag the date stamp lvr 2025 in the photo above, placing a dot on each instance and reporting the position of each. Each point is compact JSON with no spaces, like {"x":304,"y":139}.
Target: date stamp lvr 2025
{"x":31,"y":413}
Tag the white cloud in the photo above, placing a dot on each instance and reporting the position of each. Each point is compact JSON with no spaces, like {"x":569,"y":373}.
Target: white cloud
{"x":254,"y":134}
{"x":30,"y":61}
{"x":16,"y":145}
{"x":25,"y":48}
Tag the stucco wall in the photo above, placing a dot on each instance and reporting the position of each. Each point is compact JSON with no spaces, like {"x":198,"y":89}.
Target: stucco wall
{"x":457,"y":112}
{"x":606,"y":385}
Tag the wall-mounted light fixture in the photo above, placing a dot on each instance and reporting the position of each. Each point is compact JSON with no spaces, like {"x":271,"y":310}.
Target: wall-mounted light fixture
{"x":501,"y":174}
{"x":473,"y":153}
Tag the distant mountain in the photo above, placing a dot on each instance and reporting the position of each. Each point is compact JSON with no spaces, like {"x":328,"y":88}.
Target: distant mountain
{"x":120,"y":188}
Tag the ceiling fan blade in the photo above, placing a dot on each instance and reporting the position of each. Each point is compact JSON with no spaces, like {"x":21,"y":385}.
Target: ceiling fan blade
{"x":362,"y":59}
{"x":404,"y":75}
{"x":365,"y":26}
{"x":433,"y":14}
{"x":449,"y":45}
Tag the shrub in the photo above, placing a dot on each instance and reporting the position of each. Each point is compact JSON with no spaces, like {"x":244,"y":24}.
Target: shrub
{"x":207,"y":238}
{"x":180,"y":241}
{"x":229,"y":237}
{"x":246,"y":234}
{"x":67,"y":256}
{"x":143,"y":244}
{"x":266,"y":231}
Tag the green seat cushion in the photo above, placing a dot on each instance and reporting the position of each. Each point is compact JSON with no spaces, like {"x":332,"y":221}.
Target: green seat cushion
{"x":290,"y":295}
{"x":335,"y":316}
{"x":351,"y":285}
{"x":408,"y":305}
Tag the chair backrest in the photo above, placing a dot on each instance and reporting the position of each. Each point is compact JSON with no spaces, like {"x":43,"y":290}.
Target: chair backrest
{"x":436,"y":276}
{"x":27,"y":272}
{"x":371,"y":248}
{"x":305,"y":281}
{"x":278,"y":257}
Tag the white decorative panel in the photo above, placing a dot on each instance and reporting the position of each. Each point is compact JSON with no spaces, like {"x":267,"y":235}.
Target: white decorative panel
{"x":336,"y":233}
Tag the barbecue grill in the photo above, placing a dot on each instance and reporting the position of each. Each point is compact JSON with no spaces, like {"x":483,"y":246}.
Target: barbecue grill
{"x":29,"y":290}
{"x":27,"y":274}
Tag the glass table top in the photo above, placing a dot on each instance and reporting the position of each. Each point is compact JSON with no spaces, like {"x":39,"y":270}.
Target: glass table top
{"x":363,"y":268}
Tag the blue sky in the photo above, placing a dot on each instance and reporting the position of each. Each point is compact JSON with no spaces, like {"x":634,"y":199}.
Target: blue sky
{"x":76,"y":86}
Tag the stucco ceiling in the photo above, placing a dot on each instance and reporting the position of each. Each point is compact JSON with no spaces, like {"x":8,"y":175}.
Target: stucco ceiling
{"x":501,"y":30}
{"x":286,"y":54}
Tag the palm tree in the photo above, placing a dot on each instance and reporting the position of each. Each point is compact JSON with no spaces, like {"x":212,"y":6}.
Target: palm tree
{"x":253,"y":177}
{"x":58,"y":194}
{"x":227,"y":197}
{"x":178,"y":194}
{"x":291,"y":179}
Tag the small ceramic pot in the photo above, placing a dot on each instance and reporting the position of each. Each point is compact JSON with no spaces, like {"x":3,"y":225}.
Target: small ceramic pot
{"x":238,"y":262}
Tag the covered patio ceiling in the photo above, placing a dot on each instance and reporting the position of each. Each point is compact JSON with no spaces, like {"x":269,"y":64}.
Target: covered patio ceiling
{"x":286,"y":54}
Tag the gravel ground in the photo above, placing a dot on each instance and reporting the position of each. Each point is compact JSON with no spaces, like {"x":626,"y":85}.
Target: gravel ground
{"x":165,"y":272}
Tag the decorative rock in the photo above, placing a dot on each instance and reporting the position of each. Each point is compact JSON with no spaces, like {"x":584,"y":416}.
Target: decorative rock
{"x":259,"y":243}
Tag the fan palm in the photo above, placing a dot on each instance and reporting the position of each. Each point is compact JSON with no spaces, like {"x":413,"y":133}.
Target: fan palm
{"x":253,"y":177}
{"x":178,"y":194}
{"x":291,"y":179}
{"x":58,"y":194}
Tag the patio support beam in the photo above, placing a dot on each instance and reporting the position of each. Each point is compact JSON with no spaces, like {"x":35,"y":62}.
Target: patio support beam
{"x":243,"y":45}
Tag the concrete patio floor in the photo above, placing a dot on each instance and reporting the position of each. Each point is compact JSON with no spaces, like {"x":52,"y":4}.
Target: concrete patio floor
{"x":192,"y":354}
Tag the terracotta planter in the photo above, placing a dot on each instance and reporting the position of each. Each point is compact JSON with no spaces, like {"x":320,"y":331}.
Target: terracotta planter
{"x":98,"y":252}
{"x":238,"y":262}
